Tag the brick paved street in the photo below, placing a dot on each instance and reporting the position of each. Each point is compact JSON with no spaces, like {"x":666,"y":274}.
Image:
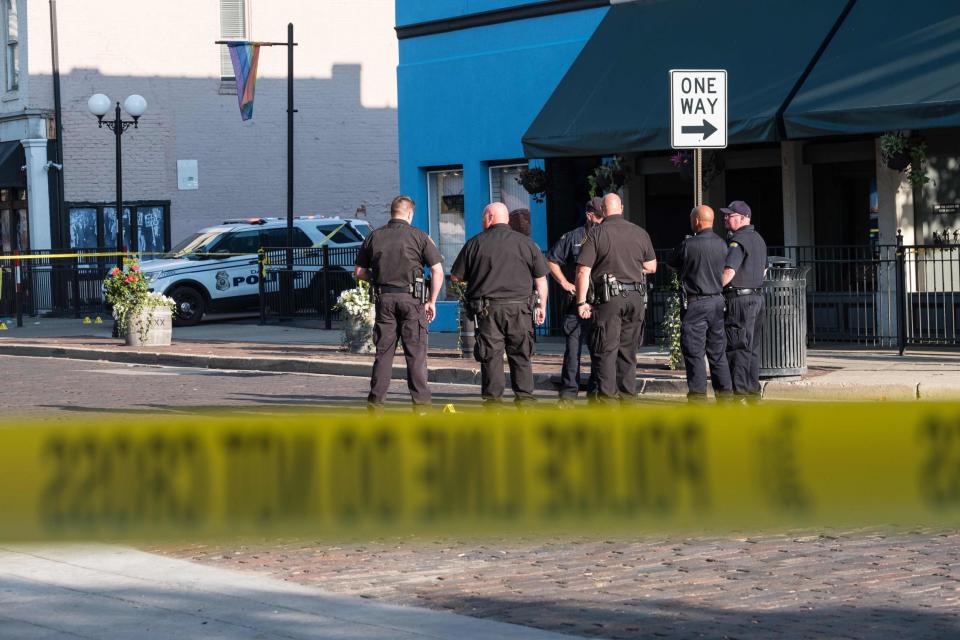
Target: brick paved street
{"x":860,"y":584}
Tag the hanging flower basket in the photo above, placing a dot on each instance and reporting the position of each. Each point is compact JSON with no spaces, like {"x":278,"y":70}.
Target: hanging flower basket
{"x":534,"y":181}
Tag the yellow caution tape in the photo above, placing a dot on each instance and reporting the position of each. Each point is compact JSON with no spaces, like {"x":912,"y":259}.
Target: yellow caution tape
{"x":3,"y":326}
{"x":650,"y":469}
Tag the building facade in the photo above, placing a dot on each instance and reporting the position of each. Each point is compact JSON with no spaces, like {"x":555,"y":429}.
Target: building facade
{"x":192,"y":162}
{"x":571,"y":84}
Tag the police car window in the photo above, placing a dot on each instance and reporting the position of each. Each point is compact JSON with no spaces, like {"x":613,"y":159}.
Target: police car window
{"x":240,"y":242}
{"x":364,"y":229}
{"x":276,"y":238}
{"x":342,"y":233}
{"x":194,"y":244}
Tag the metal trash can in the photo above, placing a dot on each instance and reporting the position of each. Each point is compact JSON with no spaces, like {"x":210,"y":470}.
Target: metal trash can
{"x":783,"y":346}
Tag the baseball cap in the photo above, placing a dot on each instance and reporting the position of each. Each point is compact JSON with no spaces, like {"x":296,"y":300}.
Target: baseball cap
{"x":595,"y":205}
{"x":737,"y":206}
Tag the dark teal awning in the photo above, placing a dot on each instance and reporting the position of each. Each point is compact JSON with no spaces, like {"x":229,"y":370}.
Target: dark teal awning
{"x":615,"y":97}
{"x":892,"y":65}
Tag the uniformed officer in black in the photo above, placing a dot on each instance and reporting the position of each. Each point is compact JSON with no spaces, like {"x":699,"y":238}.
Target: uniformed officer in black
{"x":562,"y":262}
{"x":392,"y":259}
{"x":622,"y":250}
{"x":743,"y":274}
{"x":700,"y":259}
{"x":502,"y":268}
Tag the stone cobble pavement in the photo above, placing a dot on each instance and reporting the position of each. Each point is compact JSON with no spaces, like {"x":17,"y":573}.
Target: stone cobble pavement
{"x":797,"y":586}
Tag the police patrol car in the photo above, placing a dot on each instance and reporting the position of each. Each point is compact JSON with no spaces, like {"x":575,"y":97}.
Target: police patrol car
{"x":200,"y":281}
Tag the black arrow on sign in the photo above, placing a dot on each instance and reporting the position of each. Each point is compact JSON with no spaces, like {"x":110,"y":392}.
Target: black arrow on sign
{"x":707,"y":129}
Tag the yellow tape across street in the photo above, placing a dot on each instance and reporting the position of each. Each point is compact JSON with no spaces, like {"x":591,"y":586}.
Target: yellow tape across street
{"x":642,"y":470}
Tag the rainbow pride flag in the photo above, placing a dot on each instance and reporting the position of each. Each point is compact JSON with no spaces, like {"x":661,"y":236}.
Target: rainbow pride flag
{"x":245,"y":56}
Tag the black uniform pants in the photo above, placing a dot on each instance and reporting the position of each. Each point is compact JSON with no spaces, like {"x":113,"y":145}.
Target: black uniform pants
{"x":505,"y":327}
{"x":404,"y":313}
{"x":702,"y":333}
{"x":617,"y":332}
{"x":577,"y":331}
{"x":744,"y":326}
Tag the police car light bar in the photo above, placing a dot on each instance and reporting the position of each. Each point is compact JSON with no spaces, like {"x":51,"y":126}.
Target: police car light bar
{"x":246,"y":221}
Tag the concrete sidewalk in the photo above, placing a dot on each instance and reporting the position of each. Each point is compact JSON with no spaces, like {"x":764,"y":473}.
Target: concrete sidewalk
{"x":106,"y":592}
{"x":833,"y":374}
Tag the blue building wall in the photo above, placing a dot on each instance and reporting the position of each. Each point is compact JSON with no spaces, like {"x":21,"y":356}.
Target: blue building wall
{"x":467,"y":97}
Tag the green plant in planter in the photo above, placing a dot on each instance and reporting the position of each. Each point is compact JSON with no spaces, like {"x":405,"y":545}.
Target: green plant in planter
{"x":918,"y":165}
{"x":609,"y":177}
{"x":459,"y":290}
{"x":671,"y":324}
{"x":894,"y":150}
{"x":128,"y":292}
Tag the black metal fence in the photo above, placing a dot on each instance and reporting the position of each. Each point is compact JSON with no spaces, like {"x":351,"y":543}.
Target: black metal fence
{"x":885,"y":296}
{"x":311,"y":288}
{"x":55,"y":286}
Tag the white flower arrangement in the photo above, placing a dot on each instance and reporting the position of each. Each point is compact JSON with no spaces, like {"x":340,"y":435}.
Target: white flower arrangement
{"x":356,"y":302}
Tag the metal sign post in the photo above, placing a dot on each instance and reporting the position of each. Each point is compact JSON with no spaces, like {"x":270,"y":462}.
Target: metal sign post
{"x":698,"y":116}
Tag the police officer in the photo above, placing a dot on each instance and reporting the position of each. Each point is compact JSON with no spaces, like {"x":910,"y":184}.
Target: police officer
{"x":700,"y":260}
{"x":742,"y":278}
{"x":392,"y":259}
{"x":501,"y":268}
{"x":616,"y":258}
{"x":562,"y":262}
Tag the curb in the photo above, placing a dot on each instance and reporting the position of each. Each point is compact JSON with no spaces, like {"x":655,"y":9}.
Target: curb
{"x":794,"y":390}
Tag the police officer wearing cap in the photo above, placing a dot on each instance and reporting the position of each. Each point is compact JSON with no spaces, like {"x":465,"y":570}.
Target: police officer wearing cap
{"x":392,"y":259}
{"x":700,"y":259}
{"x":502,"y":268}
{"x":615,"y":259}
{"x":743,"y":273}
{"x":562,"y":262}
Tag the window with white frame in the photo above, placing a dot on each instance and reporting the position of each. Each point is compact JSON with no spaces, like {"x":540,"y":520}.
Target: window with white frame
{"x":11,"y":39}
{"x":234,"y":25}
{"x":446,"y":211}
{"x":505,"y":188}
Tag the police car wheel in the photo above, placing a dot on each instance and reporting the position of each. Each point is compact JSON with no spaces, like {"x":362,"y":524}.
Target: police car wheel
{"x":190,"y":306}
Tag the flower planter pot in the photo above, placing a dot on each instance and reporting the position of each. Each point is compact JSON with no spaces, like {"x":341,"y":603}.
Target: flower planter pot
{"x":898,"y":161}
{"x":358,"y":335}
{"x":151,"y":328}
{"x":467,"y":334}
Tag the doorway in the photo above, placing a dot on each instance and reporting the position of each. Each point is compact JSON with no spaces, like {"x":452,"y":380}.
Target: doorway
{"x":762,"y":189}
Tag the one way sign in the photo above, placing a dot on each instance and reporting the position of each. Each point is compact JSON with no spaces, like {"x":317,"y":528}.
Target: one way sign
{"x":698,"y":109}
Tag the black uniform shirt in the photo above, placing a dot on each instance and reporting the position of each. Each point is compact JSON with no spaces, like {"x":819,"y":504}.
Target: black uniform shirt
{"x":747,"y":255}
{"x":397,"y":252}
{"x":566,"y":250}
{"x":499,"y":264}
{"x":700,"y":260}
{"x":618,"y":247}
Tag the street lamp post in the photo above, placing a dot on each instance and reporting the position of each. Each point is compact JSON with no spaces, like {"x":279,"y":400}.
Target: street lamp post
{"x":135,"y":106}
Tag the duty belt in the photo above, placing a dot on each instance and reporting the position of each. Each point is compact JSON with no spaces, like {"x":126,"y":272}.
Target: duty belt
{"x":731,"y":292}
{"x":381,"y":289}
{"x":697,"y":296}
{"x":500,"y":301}
{"x":631,"y":286}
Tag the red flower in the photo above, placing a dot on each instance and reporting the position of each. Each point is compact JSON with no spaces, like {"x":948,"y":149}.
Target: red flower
{"x":135,"y":267}
{"x":129,"y":279}
{"x":115,"y":272}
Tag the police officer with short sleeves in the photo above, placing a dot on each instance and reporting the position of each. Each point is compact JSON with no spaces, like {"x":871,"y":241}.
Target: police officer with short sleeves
{"x":700,"y":260}
{"x":743,"y":274}
{"x":392,"y":259}
{"x":501,"y":268}
{"x":616,"y":259}
{"x":562,"y":262}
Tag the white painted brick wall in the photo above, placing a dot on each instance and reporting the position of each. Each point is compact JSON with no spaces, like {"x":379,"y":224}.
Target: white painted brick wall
{"x":345,"y":129}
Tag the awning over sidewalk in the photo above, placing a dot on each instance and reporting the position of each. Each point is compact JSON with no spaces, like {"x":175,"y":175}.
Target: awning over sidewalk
{"x":615,"y":97}
{"x":892,"y":65}
{"x":12,"y":159}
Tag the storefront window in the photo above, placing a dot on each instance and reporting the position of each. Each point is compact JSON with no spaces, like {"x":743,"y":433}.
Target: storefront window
{"x":505,"y":188}
{"x":447,"y":213}
{"x":95,"y":226}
